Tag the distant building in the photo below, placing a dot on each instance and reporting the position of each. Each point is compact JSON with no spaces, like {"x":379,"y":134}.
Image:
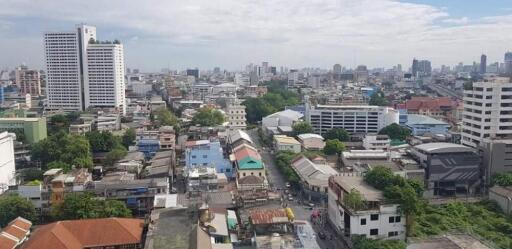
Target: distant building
{"x":88,"y":233}
{"x":376,"y":142}
{"x":433,"y":107}
{"x":336,"y":69}
{"x":28,"y":81}
{"x":421,"y":125}
{"x":378,"y":219}
{"x":236,"y":115}
{"x":285,"y":143}
{"x":33,"y":129}
{"x":483,"y":64}
{"x":311,"y":141}
{"x":193,"y":72}
{"x":284,"y":118}
{"x":508,"y":63}
{"x":7,"y":163}
{"x":450,"y":169}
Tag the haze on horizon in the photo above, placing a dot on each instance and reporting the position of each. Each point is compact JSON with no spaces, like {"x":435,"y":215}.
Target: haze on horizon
{"x":295,"y":33}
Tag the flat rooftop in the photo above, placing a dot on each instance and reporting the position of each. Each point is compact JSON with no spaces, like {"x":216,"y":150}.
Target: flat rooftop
{"x":443,"y":148}
{"x":351,"y":181}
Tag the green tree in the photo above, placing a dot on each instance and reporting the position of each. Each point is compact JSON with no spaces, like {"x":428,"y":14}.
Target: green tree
{"x":208,"y":116}
{"x":379,"y":99}
{"x":163,"y":117}
{"x":302,"y":128}
{"x":102,"y":141}
{"x":115,"y":155}
{"x":12,"y":206}
{"x":59,"y":165}
{"x":333,"y":146}
{"x":275,"y":100}
{"x":283,"y":162}
{"x":361,"y":242}
{"x":129,"y":137}
{"x":31,"y":174}
{"x":256,"y":109}
{"x":69,"y":149}
{"x":337,"y":133}
{"x":395,"y":131}
{"x":502,"y":179}
{"x":354,"y":200}
{"x":85,"y":206}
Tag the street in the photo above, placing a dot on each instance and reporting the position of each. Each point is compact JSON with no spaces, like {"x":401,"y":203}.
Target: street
{"x":300,"y":209}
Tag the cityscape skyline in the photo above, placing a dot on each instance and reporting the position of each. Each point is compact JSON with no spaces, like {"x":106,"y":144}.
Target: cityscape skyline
{"x":294,"y":34}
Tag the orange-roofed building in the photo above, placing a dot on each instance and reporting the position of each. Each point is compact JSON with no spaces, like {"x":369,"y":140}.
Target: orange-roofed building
{"x":115,"y":233}
{"x":15,"y":233}
{"x":433,"y":107}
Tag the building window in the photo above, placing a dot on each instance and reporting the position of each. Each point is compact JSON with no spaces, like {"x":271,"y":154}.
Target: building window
{"x":391,"y":219}
{"x":374,"y":231}
{"x":205,"y":156}
{"x":363,"y":221}
{"x":393,"y":234}
{"x":194,"y":156}
{"x":398,"y":219}
{"x":374,"y":217}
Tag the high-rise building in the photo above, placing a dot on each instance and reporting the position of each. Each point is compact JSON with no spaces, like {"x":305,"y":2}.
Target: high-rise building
{"x":265,"y":67}
{"x":483,"y":64}
{"x":487,"y":112}
{"x":7,"y":168}
{"x":414,"y":68}
{"x":193,"y":72}
{"x":421,"y":68}
{"x":508,"y":63}
{"x":336,"y":69}
{"x":28,"y":81}
{"x":82,"y":72}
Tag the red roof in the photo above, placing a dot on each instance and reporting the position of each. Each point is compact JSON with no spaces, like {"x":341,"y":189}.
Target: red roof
{"x":268,"y":216}
{"x":86,"y":233}
{"x":417,"y":103}
{"x":6,"y":243}
{"x":21,"y":223}
{"x":245,"y":152}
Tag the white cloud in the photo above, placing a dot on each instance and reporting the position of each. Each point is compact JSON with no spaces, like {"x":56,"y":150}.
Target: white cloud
{"x":292,"y":32}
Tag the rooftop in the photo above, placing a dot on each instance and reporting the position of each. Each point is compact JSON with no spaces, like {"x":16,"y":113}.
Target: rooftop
{"x":416,"y":119}
{"x":268,"y":216}
{"x":310,"y":135}
{"x":286,"y":139}
{"x":443,"y":148}
{"x":286,"y":113}
{"x":313,"y":174}
{"x":349,"y":182}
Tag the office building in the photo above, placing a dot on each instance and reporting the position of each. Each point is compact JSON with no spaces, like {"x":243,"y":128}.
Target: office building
{"x":235,"y":114}
{"x":293,"y":78}
{"x":354,"y":119}
{"x":336,"y":69}
{"x":450,"y":169}
{"x":487,"y":111}
{"x":377,"y":219}
{"x":496,"y":157}
{"x":193,"y":72}
{"x":508,"y":63}
{"x":421,"y":68}
{"x":7,"y":167}
{"x":28,"y":81}
{"x":82,"y":72}
{"x":483,"y":64}
{"x":33,"y":129}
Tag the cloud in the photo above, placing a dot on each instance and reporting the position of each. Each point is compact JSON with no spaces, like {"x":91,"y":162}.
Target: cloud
{"x":290,"y":32}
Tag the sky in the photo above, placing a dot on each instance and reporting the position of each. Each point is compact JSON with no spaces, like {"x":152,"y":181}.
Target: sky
{"x":230,"y":34}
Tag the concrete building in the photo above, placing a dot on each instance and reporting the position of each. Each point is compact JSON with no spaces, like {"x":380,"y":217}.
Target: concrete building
{"x":15,"y":233}
{"x":354,"y":119}
{"x":314,"y":178}
{"x":311,"y":141}
{"x":496,"y":157}
{"x":450,"y":169}
{"x":285,"y":143}
{"x":235,"y":113}
{"x":80,"y":129}
{"x":28,"y":81}
{"x":378,"y":219}
{"x":82,"y":72}
{"x":487,"y":111}
{"x":247,"y":162}
{"x":284,"y":118}
{"x":204,"y":153}
{"x":167,"y":138}
{"x":34,"y":129}
{"x":376,"y":142}
{"x":502,"y":196}
{"x":421,"y":125}
{"x":7,"y":165}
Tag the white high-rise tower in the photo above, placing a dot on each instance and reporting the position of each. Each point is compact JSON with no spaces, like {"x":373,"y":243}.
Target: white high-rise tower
{"x":82,"y":72}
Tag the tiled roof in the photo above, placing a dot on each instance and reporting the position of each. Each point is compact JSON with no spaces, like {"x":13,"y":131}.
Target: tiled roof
{"x":417,"y":103}
{"x":245,"y":152}
{"x":251,"y":179}
{"x":268,"y":216}
{"x":86,"y":233}
{"x":14,"y":233}
{"x":6,"y":243}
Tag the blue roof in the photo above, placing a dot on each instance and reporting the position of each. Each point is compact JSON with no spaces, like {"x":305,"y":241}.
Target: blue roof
{"x":416,"y":119}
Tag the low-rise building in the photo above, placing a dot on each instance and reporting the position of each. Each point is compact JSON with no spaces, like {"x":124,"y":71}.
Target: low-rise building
{"x":202,"y":179}
{"x":450,"y":169}
{"x":247,"y":161}
{"x":284,"y":118}
{"x":204,"y":153}
{"x":311,"y":141}
{"x":376,"y":142}
{"x":496,"y":157}
{"x":314,"y":178}
{"x":15,"y":233}
{"x":80,"y":129}
{"x":34,"y":129}
{"x":7,"y":161}
{"x":167,"y":138}
{"x":375,"y":218}
{"x":285,"y":143}
{"x":421,"y":125}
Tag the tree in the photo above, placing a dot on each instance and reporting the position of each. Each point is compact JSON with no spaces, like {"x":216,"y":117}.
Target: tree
{"x":208,"y":116}
{"x":302,"y":128}
{"x":85,"y":206}
{"x":354,"y":200}
{"x":283,"y":161}
{"x":502,"y":179}
{"x":333,"y":146}
{"x":165,"y":117}
{"x":102,"y":141}
{"x":115,"y":155}
{"x":395,"y":131}
{"x":13,"y":206}
{"x":361,"y":242}
{"x":59,"y":165}
{"x":256,"y":109}
{"x":129,"y":137}
{"x":379,"y":99}
{"x":337,"y":133}
{"x":69,"y":149}
{"x":275,"y":100}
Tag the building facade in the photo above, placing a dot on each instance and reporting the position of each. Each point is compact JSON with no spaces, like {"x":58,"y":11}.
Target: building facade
{"x":7,"y":165}
{"x":235,"y":113}
{"x":34,"y":129}
{"x":421,"y":125}
{"x":28,"y":81}
{"x":207,"y":153}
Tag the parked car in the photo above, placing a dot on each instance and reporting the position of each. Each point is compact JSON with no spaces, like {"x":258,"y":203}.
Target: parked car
{"x":290,"y":198}
{"x":288,"y":185}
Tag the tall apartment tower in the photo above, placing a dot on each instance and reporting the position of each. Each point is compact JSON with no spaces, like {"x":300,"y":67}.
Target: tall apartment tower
{"x":508,"y":63}
{"x":83,"y":73}
{"x":487,"y":112}
{"x":483,"y":64}
{"x":28,"y":81}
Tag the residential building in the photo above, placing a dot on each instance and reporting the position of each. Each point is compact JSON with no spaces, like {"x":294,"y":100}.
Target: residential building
{"x":167,"y":138}
{"x":314,"y":178}
{"x":376,"y":142}
{"x":433,"y":107}
{"x":80,"y":129}
{"x":354,"y":119}
{"x":15,"y":233}
{"x":7,"y":161}
{"x":202,"y":179}
{"x":32,"y":191}
{"x":104,"y":81}
{"x":377,"y":219}
{"x":285,"y":143}
{"x":88,"y":233}
{"x":82,"y":72}
{"x":235,"y":113}
{"x":487,"y":111}
{"x":28,"y":81}
{"x":483,"y":64}
{"x":496,"y":157}
{"x":503,"y":197}
{"x":247,"y":161}
{"x":56,"y":184}
{"x":450,"y":169}
{"x":207,"y":153}
{"x":508,"y":64}
{"x":421,"y":125}
{"x":33,"y":129}
{"x":311,"y":141}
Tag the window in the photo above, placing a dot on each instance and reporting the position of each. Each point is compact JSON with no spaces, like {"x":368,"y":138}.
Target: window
{"x":393,"y":234}
{"x":193,"y":156}
{"x":374,"y":217}
{"x":397,"y":219}
{"x":243,"y":174}
{"x":374,"y":231}
{"x":363,"y":221}
{"x":205,"y":156}
{"x":391,"y":219}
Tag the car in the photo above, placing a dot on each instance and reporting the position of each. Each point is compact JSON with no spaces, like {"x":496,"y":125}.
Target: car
{"x":311,"y":205}
{"x":322,"y":235}
{"x":288,"y":185}
{"x":290,"y":198}
{"x":286,"y":191}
